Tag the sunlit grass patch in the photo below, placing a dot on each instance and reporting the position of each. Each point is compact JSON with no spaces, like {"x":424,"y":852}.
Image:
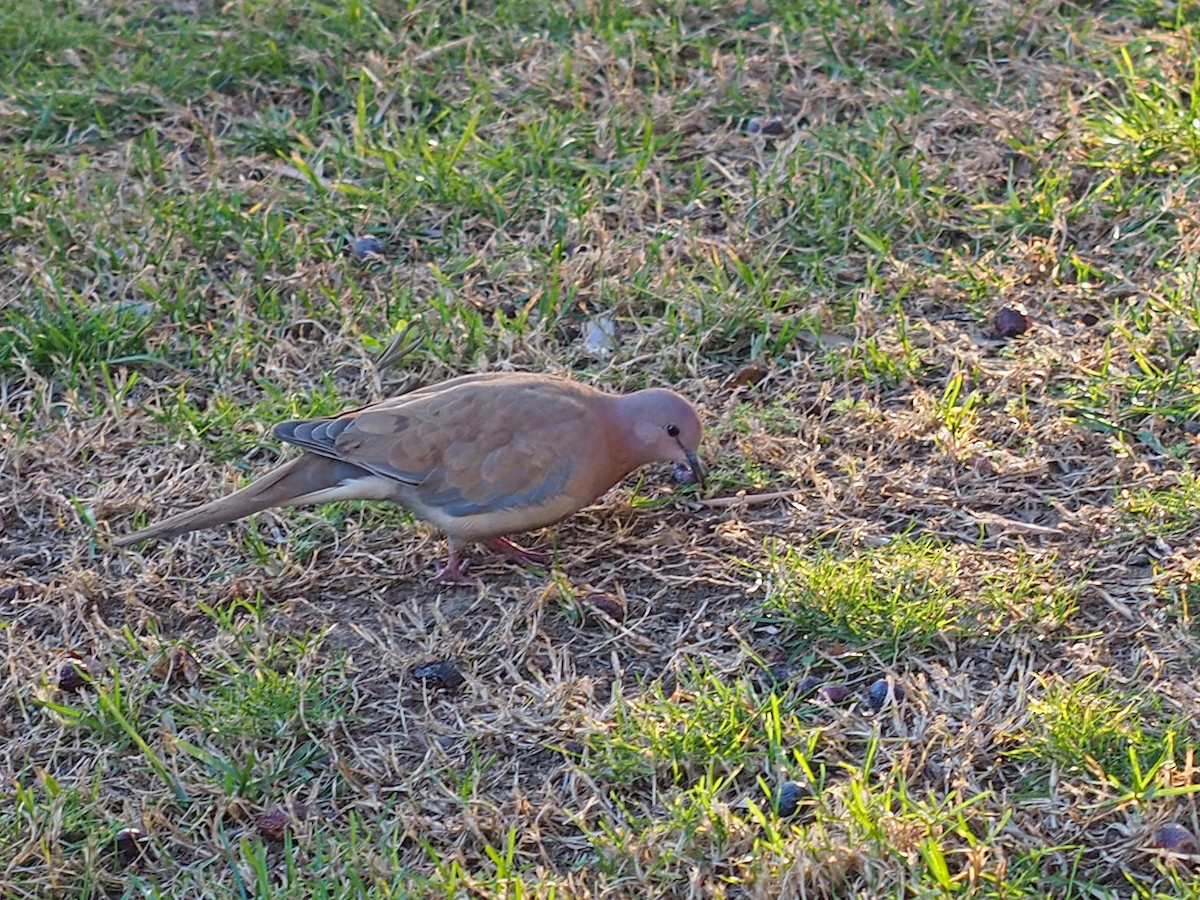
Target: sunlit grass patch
{"x":708,"y":723}
{"x":1092,"y":729}
{"x":694,"y":779}
{"x":365,"y":857}
{"x":956,"y":410}
{"x":734,"y":472}
{"x":1120,"y":399}
{"x":1146,"y":372}
{"x":874,"y":364}
{"x":864,"y":820}
{"x":1153,"y":124}
{"x":781,"y":416}
{"x":908,"y":594}
{"x":901,"y":594}
{"x":1165,"y":511}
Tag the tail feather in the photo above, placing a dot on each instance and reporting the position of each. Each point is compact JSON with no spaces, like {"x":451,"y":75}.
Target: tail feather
{"x":292,"y":484}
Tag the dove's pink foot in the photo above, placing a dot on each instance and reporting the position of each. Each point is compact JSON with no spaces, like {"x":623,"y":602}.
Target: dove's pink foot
{"x":453,"y":570}
{"x":536,"y":556}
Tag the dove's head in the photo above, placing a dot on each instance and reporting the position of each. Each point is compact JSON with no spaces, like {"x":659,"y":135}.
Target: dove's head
{"x":661,"y":425}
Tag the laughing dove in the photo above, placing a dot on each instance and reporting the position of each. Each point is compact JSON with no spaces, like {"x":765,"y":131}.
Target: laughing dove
{"x":479,"y":456}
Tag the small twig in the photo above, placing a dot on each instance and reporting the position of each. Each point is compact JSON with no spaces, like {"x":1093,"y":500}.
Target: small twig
{"x":744,"y":499}
{"x":1121,"y":608}
{"x":1015,"y":524}
{"x":433,"y":52}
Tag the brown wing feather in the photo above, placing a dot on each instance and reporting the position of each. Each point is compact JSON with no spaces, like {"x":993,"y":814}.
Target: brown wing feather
{"x":473,"y":447}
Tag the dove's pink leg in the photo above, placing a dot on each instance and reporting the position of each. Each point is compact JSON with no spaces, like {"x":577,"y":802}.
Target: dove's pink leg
{"x":454,"y":570}
{"x":534,"y":555}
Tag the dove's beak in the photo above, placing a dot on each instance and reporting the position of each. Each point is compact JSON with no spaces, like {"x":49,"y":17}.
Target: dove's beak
{"x":694,"y":465}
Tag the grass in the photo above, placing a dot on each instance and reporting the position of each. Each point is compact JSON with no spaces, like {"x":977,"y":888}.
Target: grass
{"x":911,"y":594}
{"x":1167,"y":511}
{"x":1090,"y":725}
{"x":802,"y":215}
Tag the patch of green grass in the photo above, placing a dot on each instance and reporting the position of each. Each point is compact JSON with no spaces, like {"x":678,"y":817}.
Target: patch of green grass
{"x":1151,"y":126}
{"x":261,"y":702}
{"x":1094,"y":730}
{"x":732,"y":472}
{"x":93,"y":76}
{"x":1167,"y":511}
{"x":707,"y":724}
{"x":901,"y":595}
{"x":873,"y":363}
{"x":1145,"y":372}
{"x":230,"y":428}
{"x":67,"y":814}
{"x":268,"y":687}
{"x":780,"y":416}
{"x":364,"y":859}
{"x":67,"y":338}
{"x":865,"y":814}
{"x":1023,"y":592}
{"x":907,"y":595}
{"x":957,"y":411}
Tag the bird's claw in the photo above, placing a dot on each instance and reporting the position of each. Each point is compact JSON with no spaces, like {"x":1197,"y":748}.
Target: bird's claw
{"x":453,"y":570}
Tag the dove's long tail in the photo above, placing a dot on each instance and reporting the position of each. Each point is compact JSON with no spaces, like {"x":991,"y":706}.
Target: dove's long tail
{"x":305,"y":481}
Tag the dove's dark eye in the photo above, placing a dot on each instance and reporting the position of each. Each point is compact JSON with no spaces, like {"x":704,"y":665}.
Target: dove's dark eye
{"x":673,"y":430}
